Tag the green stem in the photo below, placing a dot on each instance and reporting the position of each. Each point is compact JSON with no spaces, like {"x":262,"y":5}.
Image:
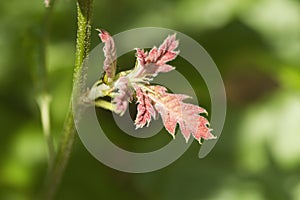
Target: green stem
{"x":104,"y":104}
{"x":44,"y":98}
{"x":84,"y":17}
{"x":44,"y":105}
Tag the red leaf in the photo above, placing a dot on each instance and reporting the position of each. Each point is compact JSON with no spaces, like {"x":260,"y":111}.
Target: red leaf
{"x":173,"y":110}
{"x":145,"y":109}
{"x":109,"y":50}
{"x":154,"y":62}
{"x":165,"y":52}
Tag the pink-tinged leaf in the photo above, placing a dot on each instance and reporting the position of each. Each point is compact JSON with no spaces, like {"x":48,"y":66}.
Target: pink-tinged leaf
{"x":154,"y":62}
{"x":145,"y":109}
{"x":123,"y":95}
{"x":202,"y":130}
{"x":110,"y":62}
{"x":165,"y":52}
{"x":173,"y":110}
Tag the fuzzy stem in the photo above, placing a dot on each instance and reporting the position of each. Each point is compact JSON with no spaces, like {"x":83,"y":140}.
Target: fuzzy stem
{"x":84,"y":17}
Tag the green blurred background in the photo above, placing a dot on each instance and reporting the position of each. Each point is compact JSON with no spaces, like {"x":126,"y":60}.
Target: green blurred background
{"x":255,"y":44}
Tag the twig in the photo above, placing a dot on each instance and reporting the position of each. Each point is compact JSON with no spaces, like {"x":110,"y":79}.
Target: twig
{"x":84,"y":17}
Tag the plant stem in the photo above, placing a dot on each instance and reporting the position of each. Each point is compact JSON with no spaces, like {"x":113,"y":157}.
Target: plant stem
{"x":84,"y":17}
{"x":44,"y":98}
{"x":104,"y":104}
{"x":44,"y":105}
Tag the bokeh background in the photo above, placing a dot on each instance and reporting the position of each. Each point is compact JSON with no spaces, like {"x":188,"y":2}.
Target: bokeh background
{"x":256,"y":46}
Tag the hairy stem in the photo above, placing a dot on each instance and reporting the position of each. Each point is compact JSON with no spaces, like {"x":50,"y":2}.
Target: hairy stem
{"x":84,"y":17}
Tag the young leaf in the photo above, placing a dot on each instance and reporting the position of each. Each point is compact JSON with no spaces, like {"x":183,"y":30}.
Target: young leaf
{"x":123,"y":95}
{"x":110,"y":62}
{"x":173,"y":110}
{"x":154,"y":62}
{"x":145,"y":109}
{"x":152,"y":100}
